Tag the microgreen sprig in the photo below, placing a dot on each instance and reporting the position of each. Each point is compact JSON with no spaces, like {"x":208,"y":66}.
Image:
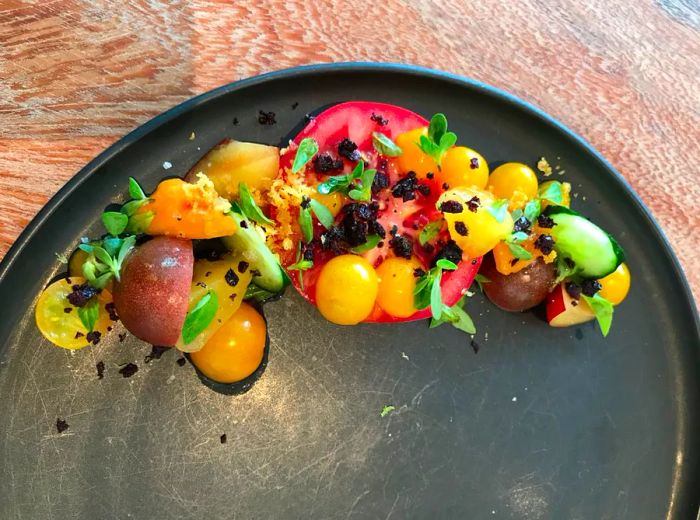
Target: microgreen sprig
{"x":101,"y":264}
{"x":438,"y":140}
{"x":308,"y":147}
{"x":349,"y":185}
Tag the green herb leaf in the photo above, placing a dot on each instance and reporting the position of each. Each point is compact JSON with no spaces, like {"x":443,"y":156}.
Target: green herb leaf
{"x":437,"y":127}
{"x":114,"y":222}
{"x":387,"y":410}
{"x":480,"y":280}
{"x":385,"y":146}
{"x":323,"y":214}
{"x":61,"y":258}
{"x":102,"y":255}
{"x":85,"y":247}
{"x":260,"y":295}
{"x":101,"y":281}
{"x":532,"y":210}
{"x":447,"y":141}
{"x":519,"y":251}
{"x":518,"y":236}
{"x":436,"y":297}
{"x":89,"y":271}
{"x":498,"y":209}
{"x":127,"y":245}
{"x":563,"y":270}
{"x":443,"y":263}
{"x":89,"y":313}
{"x":306,"y":224}
{"x":301,"y":265}
{"x":429,"y":232}
{"x":364,"y":192}
{"x":130,"y":208}
{"x":457,"y":317}
{"x":517,"y":214}
{"x":334,"y":183}
{"x":139,"y":222}
{"x":372,"y":241}
{"x":438,"y":140}
{"x":308,"y":147}
{"x":603,"y":310}
{"x":135,"y":190}
{"x":200,"y":317}
{"x":112,"y":245}
{"x":553,"y":192}
{"x":248,"y":206}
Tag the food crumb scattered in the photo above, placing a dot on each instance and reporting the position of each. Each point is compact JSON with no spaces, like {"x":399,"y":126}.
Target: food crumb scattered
{"x":405,"y":356}
{"x":544,"y":167}
{"x":515,"y":399}
{"x":61,"y":425}
{"x":387,"y":410}
{"x":128,"y":370}
{"x":192,"y":136}
{"x":156,"y":353}
{"x":235,"y":121}
{"x":181,"y":361}
{"x":223,"y":438}
{"x":167,"y":165}
{"x":295,"y":105}
{"x":100,"y":366}
{"x":266,"y":118}
{"x":475,"y":346}
{"x":122,"y":337}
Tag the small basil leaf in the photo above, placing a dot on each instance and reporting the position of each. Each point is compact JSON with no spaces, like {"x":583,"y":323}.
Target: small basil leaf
{"x":248,"y":206}
{"x":301,"y":265}
{"x":89,"y":313}
{"x":101,"y":281}
{"x":447,"y":141}
{"x":306,"y":224}
{"x":112,"y":245}
{"x":437,"y":127}
{"x":89,"y":271}
{"x":308,"y":147}
{"x":131,"y":207}
{"x":436,"y":297}
{"x":372,"y":241}
{"x":333,"y":184}
{"x":364,"y":193}
{"x":114,"y":222}
{"x":443,"y":263}
{"x":199,"y":318}
{"x":519,"y":251}
{"x":552,"y":192}
{"x":140,"y":222}
{"x":385,"y":146}
{"x":603,"y":311}
{"x":480,"y":280}
{"x":532,"y":210}
{"x":462,"y":320}
{"x":85,"y":247}
{"x":518,"y":236}
{"x":135,"y":190}
{"x":429,"y":232}
{"x":102,"y":255}
{"x":323,"y":214}
{"x":498,"y":209}
{"x":253,"y":292}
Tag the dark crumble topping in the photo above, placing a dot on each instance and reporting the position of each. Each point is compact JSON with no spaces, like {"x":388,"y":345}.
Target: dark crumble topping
{"x":379,"y":119}
{"x":332,"y":240}
{"x":450,"y":251}
{"x":295,"y":105}
{"x":100,"y":367}
{"x":109,"y":329}
{"x":207,"y":274}
{"x":451,"y":206}
{"x":93,"y":337}
{"x":235,"y":121}
{"x":201,"y":284}
{"x":415,"y":226}
{"x":428,"y":248}
{"x":223,"y":438}
{"x":461,"y":228}
{"x":112,"y":311}
{"x":522,"y":224}
{"x":573,"y":289}
{"x":514,"y":261}
{"x":122,"y":337}
{"x":255,"y":272}
{"x":232,"y":296}
{"x":475,"y":346}
{"x":545,"y":222}
{"x":474,"y":163}
{"x":394,"y":229}
{"x":474,"y":262}
{"x":81,"y":294}
{"x":231,"y":278}
{"x":308,"y":253}
{"x":545,"y":243}
{"x":78,"y":335}
{"x":380,"y":182}
{"x":68,"y":310}
{"x":445,"y":186}
{"x":61,"y":425}
{"x":590,"y":287}
{"x":305,"y":202}
{"x":380,"y":244}
{"x":244,"y":224}
{"x":324,"y":163}
{"x":128,"y":370}
{"x":266,"y":118}
{"x":181,"y":361}
{"x":243,"y":266}
{"x":407,"y":186}
{"x":429,"y":175}
{"x":473,"y":204}
{"x":348,"y":149}
{"x":418,"y":272}
{"x":402,"y":246}
{"x":156,"y":353}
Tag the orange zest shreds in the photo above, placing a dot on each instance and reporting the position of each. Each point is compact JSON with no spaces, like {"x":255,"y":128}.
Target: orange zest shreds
{"x":185,"y":210}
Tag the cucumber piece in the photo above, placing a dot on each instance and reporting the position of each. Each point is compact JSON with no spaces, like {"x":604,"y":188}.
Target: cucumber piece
{"x":594,"y":251}
{"x":250,"y":243}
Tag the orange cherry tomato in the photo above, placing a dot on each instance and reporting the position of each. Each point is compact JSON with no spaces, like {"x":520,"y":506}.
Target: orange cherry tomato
{"x":396,"y":284}
{"x":412,"y":157}
{"x":616,"y":285}
{"x":462,"y":166}
{"x":513,"y":181}
{"x":346,"y":289}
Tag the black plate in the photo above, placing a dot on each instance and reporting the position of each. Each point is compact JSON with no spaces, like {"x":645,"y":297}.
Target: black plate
{"x":541,"y":423}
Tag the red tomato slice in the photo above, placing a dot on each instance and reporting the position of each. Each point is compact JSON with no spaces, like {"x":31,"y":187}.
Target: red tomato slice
{"x":356,"y":120}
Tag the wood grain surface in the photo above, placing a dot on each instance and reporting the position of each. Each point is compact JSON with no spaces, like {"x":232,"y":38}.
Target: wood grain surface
{"x":76,"y":75}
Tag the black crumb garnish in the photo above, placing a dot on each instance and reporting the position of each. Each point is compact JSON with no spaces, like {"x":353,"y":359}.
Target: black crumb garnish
{"x":243,"y":266}
{"x":445,"y":186}
{"x":207,"y":274}
{"x":93,"y":337}
{"x":231,"y":278}
{"x":590,"y":287}
{"x":380,"y":244}
{"x":305,"y":202}
{"x":451,"y":206}
{"x":429,"y":175}
{"x":122,"y":337}
{"x":402,"y":246}
{"x":379,"y":119}
{"x":223,"y":438}
{"x":428,"y":248}
{"x":324,"y":163}
{"x":473,"y":204}
{"x":418,"y":272}
{"x":348,"y":149}
{"x":407,"y":186}
{"x":79,"y":335}
{"x":475,"y":346}
{"x":68,"y":310}
{"x":235,"y":121}
{"x":255,"y":272}
{"x":244,"y":224}
{"x":474,"y":261}
{"x":109,"y":329}
{"x":308,"y":253}
{"x":181,"y":361}
{"x":573,"y":289}
{"x":128,"y":370}
{"x":100,"y":366}
{"x":381,"y":182}
{"x":546,"y":222}
{"x":61,"y":425}
{"x":450,"y":251}
{"x":201,"y":284}
{"x":81,"y":294}
{"x":474,"y":163}
{"x":156,"y":353}
{"x":232,"y":296}
{"x":461,"y":228}
{"x":295,"y":105}
{"x":394,"y":229}
{"x":514,"y":261}
{"x":112,"y":311}
{"x":545,"y":243}
{"x":266,"y":118}
{"x":522,"y":224}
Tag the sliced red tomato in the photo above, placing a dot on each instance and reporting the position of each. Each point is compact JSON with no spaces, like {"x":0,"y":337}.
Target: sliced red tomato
{"x":356,"y":120}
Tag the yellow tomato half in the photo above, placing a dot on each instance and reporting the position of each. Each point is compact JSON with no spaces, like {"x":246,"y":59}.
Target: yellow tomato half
{"x":513,"y":181}
{"x":616,"y":285}
{"x":396,"y":285}
{"x":346,"y":289}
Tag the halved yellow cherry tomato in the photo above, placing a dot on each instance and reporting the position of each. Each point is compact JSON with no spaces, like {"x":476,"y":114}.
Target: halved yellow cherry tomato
{"x":396,"y":284}
{"x":616,"y":285}
{"x":346,"y":289}
{"x":565,"y":193}
{"x":333,"y":201}
{"x":236,"y":350}
{"x":462,"y":166}
{"x":58,"y":320}
{"x":412,"y":158}
{"x":513,"y":181}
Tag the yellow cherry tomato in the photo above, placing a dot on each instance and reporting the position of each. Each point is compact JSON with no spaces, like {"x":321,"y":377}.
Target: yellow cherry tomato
{"x":565,"y":193}
{"x":412,"y":158}
{"x":346,"y":289}
{"x":513,"y":181}
{"x":396,"y":285}
{"x":236,"y":350}
{"x":60,"y":325}
{"x":462,"y":166}
{"x":477,"y":230}
{"x":333,"y":201}
{"x":616,"y":285}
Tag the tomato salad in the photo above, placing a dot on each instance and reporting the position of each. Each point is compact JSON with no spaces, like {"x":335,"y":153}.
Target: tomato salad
{"x":372,"y":212}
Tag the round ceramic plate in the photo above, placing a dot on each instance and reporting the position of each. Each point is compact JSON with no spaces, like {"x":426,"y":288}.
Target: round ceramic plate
{"x":540,"y":423}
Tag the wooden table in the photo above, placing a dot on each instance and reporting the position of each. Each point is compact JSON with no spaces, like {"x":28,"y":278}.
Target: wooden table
{"x":77,"y":75}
